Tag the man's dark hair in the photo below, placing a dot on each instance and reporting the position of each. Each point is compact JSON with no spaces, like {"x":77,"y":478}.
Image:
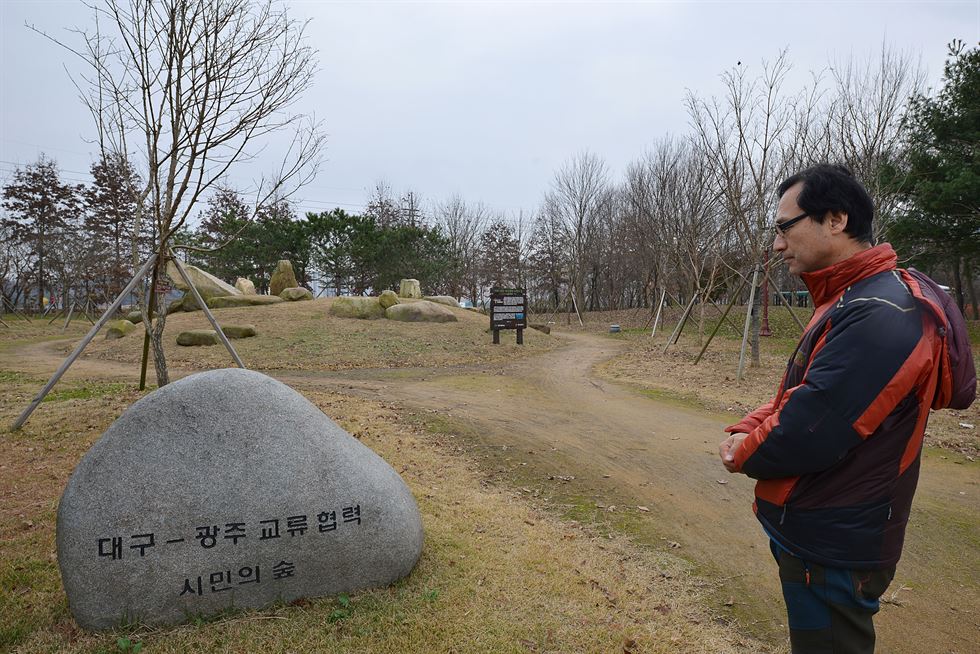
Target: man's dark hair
{"x":832,"y":187}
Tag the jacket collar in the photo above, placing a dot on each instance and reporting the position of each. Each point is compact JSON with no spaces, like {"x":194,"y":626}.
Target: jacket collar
{"x":829,"y":283}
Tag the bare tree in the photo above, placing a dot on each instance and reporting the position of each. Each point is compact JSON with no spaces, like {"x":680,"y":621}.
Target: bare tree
{"x":580,"y":194}
{"x":752,"y":141}
{"x":382,"y":205}
{"x":187,"y":89}
{"x":864,"y":121}
{"x":462,"y":226}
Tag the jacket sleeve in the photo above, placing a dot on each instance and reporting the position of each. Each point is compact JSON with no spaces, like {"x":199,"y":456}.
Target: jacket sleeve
{"x":752,"y":420}
{"x":873,"y":355}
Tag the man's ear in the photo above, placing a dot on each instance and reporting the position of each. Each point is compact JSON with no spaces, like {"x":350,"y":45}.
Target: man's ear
{"x":837,"y":221}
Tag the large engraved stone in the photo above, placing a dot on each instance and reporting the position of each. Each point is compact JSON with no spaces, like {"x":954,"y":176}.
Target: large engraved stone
{"x":227,"y":489}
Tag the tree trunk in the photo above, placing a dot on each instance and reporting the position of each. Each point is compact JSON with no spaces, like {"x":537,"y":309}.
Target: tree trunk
{"x":958,"y":282}
{"x":156,"y":342}
{"x":971,"y":289}
{"x":755,"y":330}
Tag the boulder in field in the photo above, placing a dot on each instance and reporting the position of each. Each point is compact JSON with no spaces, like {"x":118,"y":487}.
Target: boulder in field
{"x":443,"y":299}
{"x":409,"y":288}
{"x":243,"y":301}
{"x":195,"y":337}
{"x":245,"y":286}
{"x":541,"y":327}
{"x":421,"y":311}
{"x":363,"y":308}
{"x":282,"y":278}
{"x":388,"y":298}
{"x":227,"y":489}
{"x":189,"y":303}
{"x":206,"y":284}
{"x":175,"y":306}
{"x":296,"y":294}
{"x":135,"y":317}
{"x":117,"y":329}
{"x":239,"y":331}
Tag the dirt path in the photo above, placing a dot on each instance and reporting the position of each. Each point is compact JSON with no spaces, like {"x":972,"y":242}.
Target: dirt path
{"x":550,"y":416}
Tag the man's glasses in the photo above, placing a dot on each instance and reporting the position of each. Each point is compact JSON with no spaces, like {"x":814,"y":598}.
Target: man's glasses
{"x":783,"y":227}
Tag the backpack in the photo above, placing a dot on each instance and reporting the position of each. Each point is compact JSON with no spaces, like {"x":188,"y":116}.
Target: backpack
{"x":957,"y":384}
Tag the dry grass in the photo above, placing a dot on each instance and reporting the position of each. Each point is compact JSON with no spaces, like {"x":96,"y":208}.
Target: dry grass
{"x":712,"y":384}
{"x":304,"y":336}
{"x":497,"y":574}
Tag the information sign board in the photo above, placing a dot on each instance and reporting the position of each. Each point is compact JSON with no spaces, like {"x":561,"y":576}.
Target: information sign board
{"x":508,"y":310}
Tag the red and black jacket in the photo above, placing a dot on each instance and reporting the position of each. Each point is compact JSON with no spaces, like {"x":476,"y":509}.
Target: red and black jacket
{"x":837,"y":451}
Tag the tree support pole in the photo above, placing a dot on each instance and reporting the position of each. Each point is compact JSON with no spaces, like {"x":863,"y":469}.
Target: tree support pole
{"x":81,"y":346}
{"x":14,"y":310}
{"x":785,"y":303}
{"x":748,"y":322}
{"x":88,"y":307}
{"x":718,"y":326}
{"x":71,"y":311}
{"x":575,"y":304}
{"x":676,"y":334}
{"x":207,"y":311}
{"x":660,"y":306}
{"x":60,"y":313}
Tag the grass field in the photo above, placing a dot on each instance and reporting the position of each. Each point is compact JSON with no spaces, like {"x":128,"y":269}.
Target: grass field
{"x":502,"y":570}
{"x":507,"y":566}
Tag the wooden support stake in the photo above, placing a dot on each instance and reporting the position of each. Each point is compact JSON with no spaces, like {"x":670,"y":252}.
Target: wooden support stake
{"x":88,"y":307}
{"x":207,"y":311}
{"x":748,"y":324}
{"x":718,"y":326}
{"x":60,"y":313}
{"x":575,"y":304}
{"x":660,"y":306}
{"x":785,"y":303}
{"x":14,"y":310}
{"x":81,"y":346}
{"x":71,"y":311}
{"x":676,"y":334}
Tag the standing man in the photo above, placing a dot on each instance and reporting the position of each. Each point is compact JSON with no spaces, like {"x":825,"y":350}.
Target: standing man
{"x":836,"y":453}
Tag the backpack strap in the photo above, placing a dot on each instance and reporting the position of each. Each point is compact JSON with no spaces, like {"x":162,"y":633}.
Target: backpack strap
{"x":957,"y":382}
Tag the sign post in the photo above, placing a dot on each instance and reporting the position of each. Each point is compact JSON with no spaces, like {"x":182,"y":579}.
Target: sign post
{"x":508,"y":310}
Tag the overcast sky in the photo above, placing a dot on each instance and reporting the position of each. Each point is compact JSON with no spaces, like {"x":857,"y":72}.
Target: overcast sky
{"x":487,"y":99}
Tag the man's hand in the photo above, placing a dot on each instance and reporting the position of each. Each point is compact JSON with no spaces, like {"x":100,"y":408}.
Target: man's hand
{"x":728,"y":448}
